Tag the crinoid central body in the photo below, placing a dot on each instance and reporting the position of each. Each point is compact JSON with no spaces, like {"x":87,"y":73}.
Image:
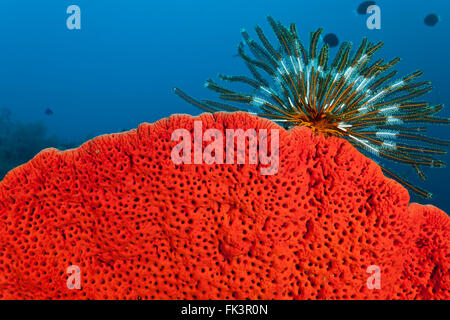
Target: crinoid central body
{"x":319,"y":122}
{"x":353,"y":97}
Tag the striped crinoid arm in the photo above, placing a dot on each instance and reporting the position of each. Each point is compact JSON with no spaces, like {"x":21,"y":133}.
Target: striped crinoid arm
{"x":353,"y":96}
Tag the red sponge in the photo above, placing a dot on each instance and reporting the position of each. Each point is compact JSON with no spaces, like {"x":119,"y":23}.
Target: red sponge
{"x":139,"y":226}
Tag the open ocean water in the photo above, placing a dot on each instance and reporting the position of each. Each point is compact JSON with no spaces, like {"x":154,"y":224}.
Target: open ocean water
{"x":60,"y":86}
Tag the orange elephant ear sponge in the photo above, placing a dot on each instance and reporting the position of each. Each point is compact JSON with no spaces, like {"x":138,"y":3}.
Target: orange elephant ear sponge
{"x":326,"y":225}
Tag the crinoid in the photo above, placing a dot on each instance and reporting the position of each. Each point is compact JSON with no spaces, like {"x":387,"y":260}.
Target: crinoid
{"x":352,"y":98}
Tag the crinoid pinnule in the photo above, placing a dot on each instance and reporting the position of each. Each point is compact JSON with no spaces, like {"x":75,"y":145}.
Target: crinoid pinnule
{"x":353,"y":97}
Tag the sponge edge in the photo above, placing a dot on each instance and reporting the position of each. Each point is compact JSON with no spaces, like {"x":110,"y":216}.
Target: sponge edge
{"x":140,"y":227}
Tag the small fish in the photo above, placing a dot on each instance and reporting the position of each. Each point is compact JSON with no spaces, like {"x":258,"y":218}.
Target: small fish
{"x":431,"y":20}
{"x":331,"y":39}
{"x":362,"y":8}
{"x":48,"y":111}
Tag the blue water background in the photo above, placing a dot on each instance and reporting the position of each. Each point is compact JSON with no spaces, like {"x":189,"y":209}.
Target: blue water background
{"x":119,"y":69}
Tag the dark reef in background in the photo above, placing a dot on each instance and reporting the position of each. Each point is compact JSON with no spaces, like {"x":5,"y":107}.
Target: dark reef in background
{"x":20,"y":142}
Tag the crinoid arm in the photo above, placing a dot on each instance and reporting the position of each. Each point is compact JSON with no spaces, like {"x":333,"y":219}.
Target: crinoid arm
{"x":352,"y":97}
